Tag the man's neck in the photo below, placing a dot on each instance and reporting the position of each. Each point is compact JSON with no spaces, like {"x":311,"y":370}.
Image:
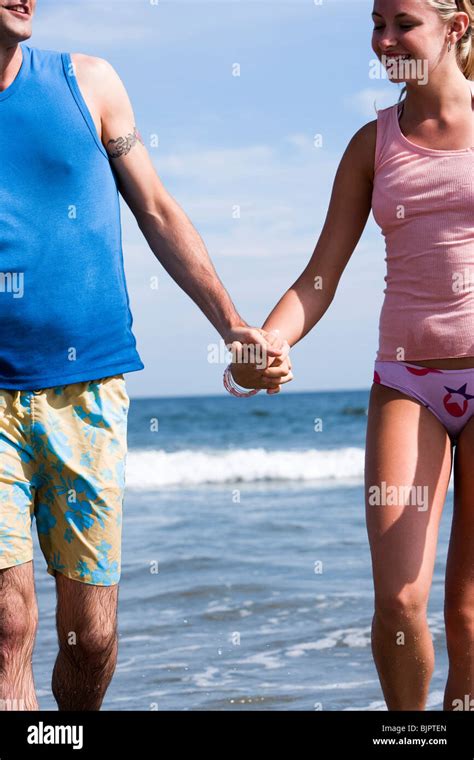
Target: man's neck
{"x":10,"y":64}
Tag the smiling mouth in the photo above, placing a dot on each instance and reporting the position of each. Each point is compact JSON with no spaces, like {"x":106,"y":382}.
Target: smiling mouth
{"x":19,"y":10}
{"x":397,"y":57}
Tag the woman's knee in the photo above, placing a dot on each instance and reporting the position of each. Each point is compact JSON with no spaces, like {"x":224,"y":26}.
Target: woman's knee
{"x":459,"y":620}
{"x":400,"y":606}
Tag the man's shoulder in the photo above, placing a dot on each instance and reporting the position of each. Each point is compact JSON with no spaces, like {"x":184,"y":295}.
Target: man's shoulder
{"x":94,"y":73}
{"x":91,"y":64}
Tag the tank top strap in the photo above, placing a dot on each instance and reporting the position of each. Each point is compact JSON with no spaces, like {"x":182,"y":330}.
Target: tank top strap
{"x":385,"y":134}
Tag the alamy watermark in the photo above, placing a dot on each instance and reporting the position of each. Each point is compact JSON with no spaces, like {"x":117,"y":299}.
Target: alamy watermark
{"x":397,"y":496}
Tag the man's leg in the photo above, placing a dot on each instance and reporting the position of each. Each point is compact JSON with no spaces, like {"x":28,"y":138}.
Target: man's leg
{"x":18,"y":624}
{"x":86,"y":618}
{"x":81,"y":432}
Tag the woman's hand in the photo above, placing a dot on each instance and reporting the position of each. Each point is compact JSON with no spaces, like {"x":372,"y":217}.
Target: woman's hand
{"x":269,"y":378}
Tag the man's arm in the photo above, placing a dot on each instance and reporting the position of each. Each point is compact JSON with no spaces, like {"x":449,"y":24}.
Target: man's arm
{"x":167,"y":229}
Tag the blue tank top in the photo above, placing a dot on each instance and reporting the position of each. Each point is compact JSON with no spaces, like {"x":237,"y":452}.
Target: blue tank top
{"x":64,"y":306}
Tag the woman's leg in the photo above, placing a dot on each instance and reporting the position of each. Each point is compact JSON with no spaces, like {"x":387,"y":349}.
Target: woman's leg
{"x":459,"y":598}
{"x":407,"y":446}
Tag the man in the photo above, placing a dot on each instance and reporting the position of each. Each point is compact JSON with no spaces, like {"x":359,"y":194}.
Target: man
{"x":68,"y":143}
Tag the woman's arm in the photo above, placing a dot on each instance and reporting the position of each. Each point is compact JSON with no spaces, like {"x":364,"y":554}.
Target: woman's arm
{"x":305,"y":302}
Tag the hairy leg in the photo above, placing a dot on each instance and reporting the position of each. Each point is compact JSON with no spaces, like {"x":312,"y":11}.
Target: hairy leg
{"x":18,"y":625}
{"x":86,"y":619}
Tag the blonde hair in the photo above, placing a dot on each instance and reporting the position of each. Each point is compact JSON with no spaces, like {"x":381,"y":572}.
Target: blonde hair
{"x":464,"y":48}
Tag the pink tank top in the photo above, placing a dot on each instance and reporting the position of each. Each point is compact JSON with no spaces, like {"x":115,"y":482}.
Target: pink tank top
{"x":423,"y":201}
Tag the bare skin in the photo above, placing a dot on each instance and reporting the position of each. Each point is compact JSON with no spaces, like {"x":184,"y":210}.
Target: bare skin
{"x":86,"y":619}
{"x":18,"y":624}
{"x":86,"y":614}
{"x":406,"y":444}
{"x":437,"y":115}
{"x":295,"y":315}
{"x":459,"y":589}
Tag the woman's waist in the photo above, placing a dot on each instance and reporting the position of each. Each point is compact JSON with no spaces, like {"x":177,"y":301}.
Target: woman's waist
{"x":460,"y":362}
{"x":443,"y":340}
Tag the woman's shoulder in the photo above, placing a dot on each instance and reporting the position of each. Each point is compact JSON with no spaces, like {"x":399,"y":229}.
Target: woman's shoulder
{"x":362,"y":146}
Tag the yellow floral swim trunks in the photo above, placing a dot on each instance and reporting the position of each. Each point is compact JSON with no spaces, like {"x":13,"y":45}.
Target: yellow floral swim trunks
{"x":62,"y":460}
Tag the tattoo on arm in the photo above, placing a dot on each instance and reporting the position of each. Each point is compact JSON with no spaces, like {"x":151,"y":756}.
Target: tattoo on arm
{"x":123,"y":145}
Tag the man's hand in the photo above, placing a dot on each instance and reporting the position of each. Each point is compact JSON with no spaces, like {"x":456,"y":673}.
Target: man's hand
{"x":252,"y":345}
{"x":267,"y":376}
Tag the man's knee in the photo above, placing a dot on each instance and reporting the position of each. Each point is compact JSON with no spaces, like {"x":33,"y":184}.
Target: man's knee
{"x":87,"y":622}
{"x":90,"y":644}
{"x":18,"y":623}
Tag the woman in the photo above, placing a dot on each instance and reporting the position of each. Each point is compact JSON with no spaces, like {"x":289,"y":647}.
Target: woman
{"x":414,"y":166}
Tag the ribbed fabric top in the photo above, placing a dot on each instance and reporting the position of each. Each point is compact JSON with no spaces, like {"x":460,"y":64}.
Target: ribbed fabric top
{"x":423,"y":201}
{"x":64,"y":306}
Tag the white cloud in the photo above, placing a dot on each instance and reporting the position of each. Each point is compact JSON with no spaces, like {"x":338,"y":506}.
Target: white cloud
{"x":111,"y":23}
{"x":91,"y":23}
{"x":282,"y":195}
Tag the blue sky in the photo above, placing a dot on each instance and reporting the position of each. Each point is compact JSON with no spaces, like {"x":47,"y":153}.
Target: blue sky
{"x":247,"y":140}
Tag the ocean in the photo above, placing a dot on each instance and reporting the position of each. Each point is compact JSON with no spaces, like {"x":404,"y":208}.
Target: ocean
{"x":246,"y":577}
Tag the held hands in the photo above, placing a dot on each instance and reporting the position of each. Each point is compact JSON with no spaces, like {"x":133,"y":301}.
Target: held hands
{"x":266,"y":365}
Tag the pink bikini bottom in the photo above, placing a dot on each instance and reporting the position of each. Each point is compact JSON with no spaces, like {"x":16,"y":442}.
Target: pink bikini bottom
{"x":449,"y":393}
